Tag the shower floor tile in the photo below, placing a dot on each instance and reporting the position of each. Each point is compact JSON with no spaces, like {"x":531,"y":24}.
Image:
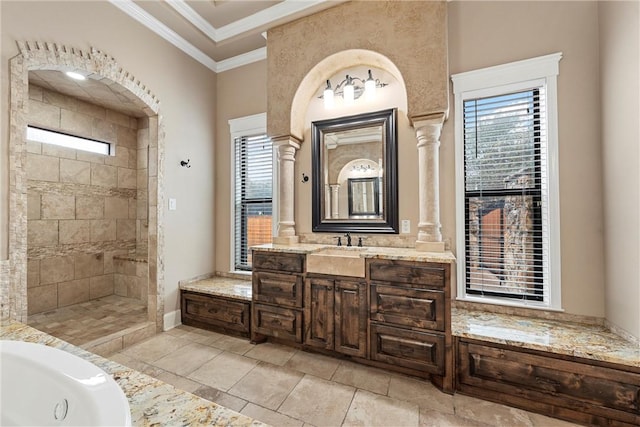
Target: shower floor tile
{"x":82,"y":323}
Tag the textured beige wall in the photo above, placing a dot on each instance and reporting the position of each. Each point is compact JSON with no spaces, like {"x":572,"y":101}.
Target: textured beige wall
{"x":620,"y":91}
{"x":187,"y":94}
{"x":240,"y":92}
{"x":482,"y":34}
{"x":410,"y":34}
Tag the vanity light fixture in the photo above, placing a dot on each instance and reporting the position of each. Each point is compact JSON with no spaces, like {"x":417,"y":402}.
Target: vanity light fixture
{"x":351,"y":88}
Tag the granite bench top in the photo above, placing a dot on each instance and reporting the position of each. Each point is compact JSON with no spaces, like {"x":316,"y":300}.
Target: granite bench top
{"x":373,"y":252}
{"x":220,"y":286}
{"x":152,"y":402}
{"x":592,"y":342}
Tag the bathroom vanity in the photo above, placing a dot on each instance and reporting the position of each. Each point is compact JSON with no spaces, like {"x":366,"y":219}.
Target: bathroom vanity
{"x":392,"y":308}
{"x":387,"y":307}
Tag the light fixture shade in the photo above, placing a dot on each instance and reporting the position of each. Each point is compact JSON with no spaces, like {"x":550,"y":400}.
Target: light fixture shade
{"x":349,"y":95}
{"x":328,"y":98}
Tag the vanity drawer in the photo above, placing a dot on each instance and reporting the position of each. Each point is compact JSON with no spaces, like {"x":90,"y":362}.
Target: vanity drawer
{"x":416,"y":308}
{"x":275,"y":288}
{"x":575,"y":389}
{"x":423,"y":274}
{"x":420,"y":351}
{"x":277,"y":322}
{"x":215,"y":311}
{"x":293,"y":263}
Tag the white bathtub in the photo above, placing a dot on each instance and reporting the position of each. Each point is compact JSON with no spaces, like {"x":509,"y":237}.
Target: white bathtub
{"x":44,"y":386}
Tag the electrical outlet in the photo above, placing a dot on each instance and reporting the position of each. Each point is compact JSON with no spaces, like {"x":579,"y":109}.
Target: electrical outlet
{"x":405,"y":226}
{"x":172,"y":204}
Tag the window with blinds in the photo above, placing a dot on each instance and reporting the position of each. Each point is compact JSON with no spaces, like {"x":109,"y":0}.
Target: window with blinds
{"x":505,"y":153}
{"x":253,"y":196}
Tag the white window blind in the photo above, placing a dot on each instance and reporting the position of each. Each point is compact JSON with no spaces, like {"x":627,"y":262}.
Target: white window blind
{"x":505,"y":183}
{"x":253,"y":196}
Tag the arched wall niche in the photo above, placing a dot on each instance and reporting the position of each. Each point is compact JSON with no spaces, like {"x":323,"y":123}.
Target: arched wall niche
{"x":325,"y":69}
{"x":99,"y":66}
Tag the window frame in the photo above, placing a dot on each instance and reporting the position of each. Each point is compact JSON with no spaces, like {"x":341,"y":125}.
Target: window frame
{"x":500,"y":80}
{"x":247,"y":126}
{"x":69,"y":141}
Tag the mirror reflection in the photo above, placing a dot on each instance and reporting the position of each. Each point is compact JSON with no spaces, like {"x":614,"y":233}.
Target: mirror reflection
{"x":355,"y":173}
{"x":364,"y":197}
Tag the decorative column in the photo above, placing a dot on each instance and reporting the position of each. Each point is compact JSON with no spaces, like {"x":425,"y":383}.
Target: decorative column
{"x":327,"y":201}
{"x":428,"y":130}
{"x":287,"y":146}
{"x":335,"y":212}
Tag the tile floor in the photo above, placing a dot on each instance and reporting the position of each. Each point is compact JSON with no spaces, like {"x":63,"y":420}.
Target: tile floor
{"x":83,"y":323}
{"x":282,"y":386}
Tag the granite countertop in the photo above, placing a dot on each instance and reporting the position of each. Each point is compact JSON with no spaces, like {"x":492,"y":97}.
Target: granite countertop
{"x":220,"y":286}
{"x":572,"y":339}
{"x":377,"y":252}
{"x":152,"y":402}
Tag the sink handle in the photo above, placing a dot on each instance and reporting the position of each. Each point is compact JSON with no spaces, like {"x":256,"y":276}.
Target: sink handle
{"x":360,"y":239}
{"x":339,"y":240}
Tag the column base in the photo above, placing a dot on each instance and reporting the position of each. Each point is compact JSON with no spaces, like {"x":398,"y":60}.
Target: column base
{"x":286,"y":240}
{"x":430,"y":246}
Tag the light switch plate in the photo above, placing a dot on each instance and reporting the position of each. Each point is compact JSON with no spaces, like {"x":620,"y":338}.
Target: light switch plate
{"x":172,"y":204}
{"x":405,"y":226}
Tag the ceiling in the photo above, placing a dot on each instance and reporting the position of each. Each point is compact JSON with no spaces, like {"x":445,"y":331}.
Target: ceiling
{"x":220,"y":34}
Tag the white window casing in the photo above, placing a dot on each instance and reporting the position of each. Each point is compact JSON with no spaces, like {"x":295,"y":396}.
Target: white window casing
{"x":242,"y":127}
{"x":540,"y":72}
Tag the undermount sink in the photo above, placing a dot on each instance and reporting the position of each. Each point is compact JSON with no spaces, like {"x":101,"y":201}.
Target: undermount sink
{"x":338,"y":261}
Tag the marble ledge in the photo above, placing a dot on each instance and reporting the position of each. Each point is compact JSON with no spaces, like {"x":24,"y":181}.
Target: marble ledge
{"x":593,"y":342}
{"x":220,"y":286}
{"x":373,"y":252}
{"x":152,"y":402}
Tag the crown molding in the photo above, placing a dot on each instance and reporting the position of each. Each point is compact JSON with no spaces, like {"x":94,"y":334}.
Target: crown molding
{"x":264,"y":17}
{"x":242,"y":59}
{"x":259,"y":19}
{"x":194,"y":18}
{"x":146,"y":19}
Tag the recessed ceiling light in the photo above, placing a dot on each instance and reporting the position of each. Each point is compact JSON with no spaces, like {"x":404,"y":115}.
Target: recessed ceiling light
{"x":75,"y":76}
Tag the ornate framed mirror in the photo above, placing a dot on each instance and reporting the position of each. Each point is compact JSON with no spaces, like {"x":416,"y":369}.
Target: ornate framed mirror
{"x":355,"y":182}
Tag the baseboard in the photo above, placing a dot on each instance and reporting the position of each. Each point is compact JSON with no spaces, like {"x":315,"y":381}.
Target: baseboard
{"x":171,"y":320}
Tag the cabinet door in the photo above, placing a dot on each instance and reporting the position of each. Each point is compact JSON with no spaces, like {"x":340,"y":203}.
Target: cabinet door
{"x":350,"y":318}
{"x":318,"y":313}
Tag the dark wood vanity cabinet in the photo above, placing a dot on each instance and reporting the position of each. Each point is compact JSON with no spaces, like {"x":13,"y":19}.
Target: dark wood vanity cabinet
{"x":335,"y":313}
{"x":215,"y":312}
{"x":277,"y":289}
{"x":409,"y":317}
{"x":397,"y":317}
{"x":579,"y":390}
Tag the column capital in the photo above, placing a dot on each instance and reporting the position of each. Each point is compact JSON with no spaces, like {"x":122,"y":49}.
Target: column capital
{"x":286,"y":141}
{"x":427,"y":120}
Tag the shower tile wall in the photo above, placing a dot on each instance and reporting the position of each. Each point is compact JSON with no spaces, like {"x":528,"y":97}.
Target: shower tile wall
{"x":82,"y":207}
